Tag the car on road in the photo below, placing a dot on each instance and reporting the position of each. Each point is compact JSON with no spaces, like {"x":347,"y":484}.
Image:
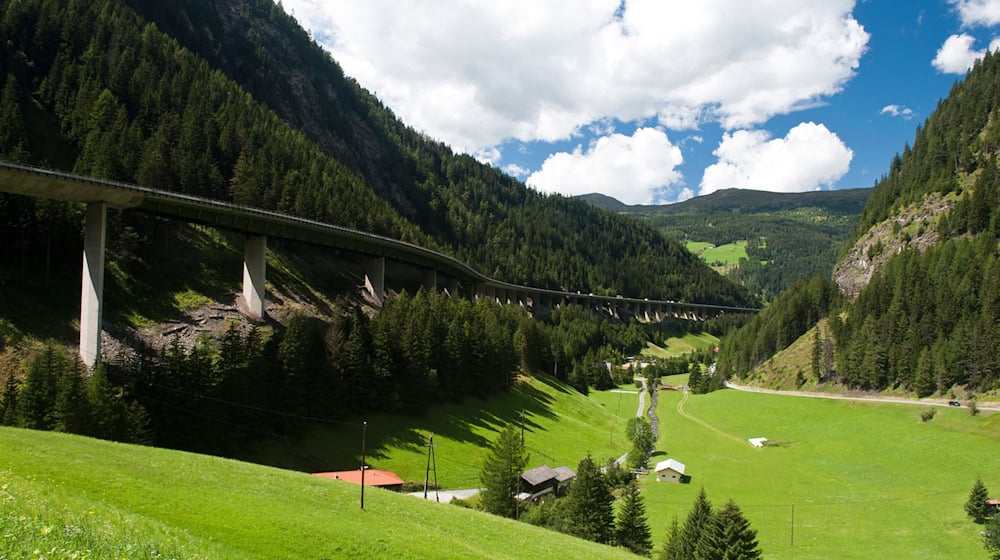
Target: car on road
{"x":954,"y":403}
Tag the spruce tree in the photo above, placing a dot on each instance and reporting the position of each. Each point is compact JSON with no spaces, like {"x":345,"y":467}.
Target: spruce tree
{"x":976,"y":506}
{"x":697,"y":521}
{"x":37,"y":396}
{"x":590,"y":504}
{"x":738,"y":541}
{"x":8,"y":403}
{"x":991,"y":537}
{"x":672,"y":544}
{"x":71,"y":411}
{"x":501,"y":473}
{"x":632,"y":528}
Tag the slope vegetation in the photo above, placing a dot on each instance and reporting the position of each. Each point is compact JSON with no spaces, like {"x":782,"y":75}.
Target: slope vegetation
{"x":236,"y":102}
{"x":69,"y":496}
{"x":923,"y":270}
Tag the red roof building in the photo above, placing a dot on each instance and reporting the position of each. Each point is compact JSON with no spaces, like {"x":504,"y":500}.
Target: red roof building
{"x":373,"y":477}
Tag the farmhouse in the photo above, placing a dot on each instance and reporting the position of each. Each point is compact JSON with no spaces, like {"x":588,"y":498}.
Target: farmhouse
{"x":543,"y":480}
{"x":373,"y":477}
{"x":670,"y":471}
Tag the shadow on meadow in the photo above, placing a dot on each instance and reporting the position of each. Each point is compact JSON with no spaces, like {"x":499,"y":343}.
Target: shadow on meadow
{"x":474,"y":422}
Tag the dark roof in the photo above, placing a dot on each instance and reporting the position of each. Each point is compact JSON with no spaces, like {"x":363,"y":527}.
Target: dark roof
{"x":539,"y":475}
{"x":564,"y":473}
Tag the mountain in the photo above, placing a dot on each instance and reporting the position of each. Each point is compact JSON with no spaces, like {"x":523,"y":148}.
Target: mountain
{"x":764,"y":240}
{"x":920,"y":276}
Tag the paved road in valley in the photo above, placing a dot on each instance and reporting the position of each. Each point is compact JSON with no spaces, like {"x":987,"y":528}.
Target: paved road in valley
{"x":993,"y":407}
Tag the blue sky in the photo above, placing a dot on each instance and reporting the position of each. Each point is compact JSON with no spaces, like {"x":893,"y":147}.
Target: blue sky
{"x":659,"y":100}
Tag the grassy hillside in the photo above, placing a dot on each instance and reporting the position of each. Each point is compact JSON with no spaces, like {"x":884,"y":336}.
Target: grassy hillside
{"x":867,"y":480}
{"x":560,"y":427}
{"x":70,"y":497}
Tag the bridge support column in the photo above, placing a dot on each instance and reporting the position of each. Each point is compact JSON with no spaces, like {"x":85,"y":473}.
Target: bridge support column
{"x":430,"y":281}
{"x":375,"y":278}
{"x":453,"y":287}
{"x":92,"y":292}
{"x":255,"y":275}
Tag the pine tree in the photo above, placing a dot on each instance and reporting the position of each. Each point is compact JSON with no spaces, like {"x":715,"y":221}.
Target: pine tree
{"x":501,"y":473}
{"x":976,"y":505}
{"x":8,"y":404}
{"x":590,"y":504}
{"x":109,"y":413}
{"x":730,"y":536}
{"x":632,"y":528}
{"x":672,"y":545}
{"x":71,"y":411}
{"x":37,"y":396}
{"x":697,"y":521}
{"x":991,"y":537}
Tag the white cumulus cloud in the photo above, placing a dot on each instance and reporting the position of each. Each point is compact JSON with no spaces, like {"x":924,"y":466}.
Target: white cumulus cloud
{"x":476,"y":74}
{"x":897,"y":111}
{"x":629,"y":168}
{"x":515,"y":170}
{"x":807,"y":158}
{"x":978,"y":12}
{"x":956,"y":54}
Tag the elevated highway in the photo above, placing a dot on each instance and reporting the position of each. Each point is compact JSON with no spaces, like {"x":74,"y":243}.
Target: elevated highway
{"x":439,"y":270}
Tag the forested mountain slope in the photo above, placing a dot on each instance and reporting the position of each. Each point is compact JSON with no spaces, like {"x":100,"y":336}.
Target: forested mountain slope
{"x":788,"y":236}
{"x":240,"y":104}
{"x":928,"y":319}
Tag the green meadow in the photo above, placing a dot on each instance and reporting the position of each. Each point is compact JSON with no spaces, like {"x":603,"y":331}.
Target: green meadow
{"x":560,"y":427}
{"x":67,"y":496}
{"x":679,"y":345}
{"x":728,"y":254}
{"x":866,"y":480}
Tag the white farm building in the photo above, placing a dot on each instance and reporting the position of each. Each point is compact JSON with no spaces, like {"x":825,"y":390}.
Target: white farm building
{"x":669,"y":471}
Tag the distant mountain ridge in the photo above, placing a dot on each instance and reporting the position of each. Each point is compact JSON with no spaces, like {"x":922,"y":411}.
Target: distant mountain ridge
{"x":743,"y":201}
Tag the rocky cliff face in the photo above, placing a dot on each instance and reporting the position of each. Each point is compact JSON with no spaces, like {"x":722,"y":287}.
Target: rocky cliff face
{"x":913,"y":228}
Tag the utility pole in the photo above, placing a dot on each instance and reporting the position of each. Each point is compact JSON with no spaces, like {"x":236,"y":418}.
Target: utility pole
{"x":793,"y":525}
{"x":364,"y":430}
{"x":431,"y":460}
{"x":522,"y":427}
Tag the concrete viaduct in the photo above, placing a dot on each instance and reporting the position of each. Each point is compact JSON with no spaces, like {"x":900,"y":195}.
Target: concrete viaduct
{"x":439,"y":271}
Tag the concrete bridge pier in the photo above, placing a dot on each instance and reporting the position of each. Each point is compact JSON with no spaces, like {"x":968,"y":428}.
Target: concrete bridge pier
{"x":255,"y":275}
{"x":92,"y":292}
{"x":452,"y":288}
{"x":430,"y":280}
{"x":375,"y":278}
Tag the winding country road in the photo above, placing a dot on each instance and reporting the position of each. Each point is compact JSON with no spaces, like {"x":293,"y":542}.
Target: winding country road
{"x":990,"y":406}
{"x":638,"y":414}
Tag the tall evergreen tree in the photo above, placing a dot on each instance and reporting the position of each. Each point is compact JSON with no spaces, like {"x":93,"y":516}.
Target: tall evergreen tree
{"x":631,"y":527}
{"x":8,"y":404}
{"x":728,"y":537}
{"x":501,"y":473}
{"x":672,"y":544}
{"x":697,"y":520}
{"x":976,"y":505}
{"x":37,"y":396}
{"x":71,"y":411}
{"x":590,"y":504}
{"x":991,"y":537}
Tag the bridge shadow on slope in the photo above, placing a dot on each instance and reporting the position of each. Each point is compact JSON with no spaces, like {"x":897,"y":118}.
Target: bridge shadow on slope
{"x":473,"y":422}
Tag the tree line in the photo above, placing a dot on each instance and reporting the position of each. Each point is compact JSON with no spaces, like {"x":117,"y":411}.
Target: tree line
{"x":252,"y":382}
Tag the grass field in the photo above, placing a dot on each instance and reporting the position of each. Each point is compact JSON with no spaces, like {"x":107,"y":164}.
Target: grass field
{"x":728,"y":254}
{"x":560,"y":427}
{"x":698,"y":247}
{"x":71,"y":497}
{"x":867,"y":480}
{"x":679,"y":345}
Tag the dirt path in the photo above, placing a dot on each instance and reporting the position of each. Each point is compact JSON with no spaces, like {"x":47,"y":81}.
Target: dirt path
{"x":993,"y":407}
{"x":685,"y":414}
{"x":638,"y":413}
